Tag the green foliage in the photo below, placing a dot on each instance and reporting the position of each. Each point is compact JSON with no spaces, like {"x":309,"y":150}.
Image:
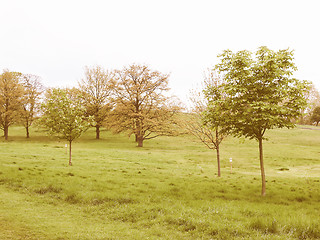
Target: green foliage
{"x":261,"y":93}
{"x":208,"y":114}
{"x":216,"y":111}
{"x":315,"y":117}
{"x":64,"y":116}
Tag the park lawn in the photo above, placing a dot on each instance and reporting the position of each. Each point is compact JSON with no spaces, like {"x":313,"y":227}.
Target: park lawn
{"x":167,"y":190}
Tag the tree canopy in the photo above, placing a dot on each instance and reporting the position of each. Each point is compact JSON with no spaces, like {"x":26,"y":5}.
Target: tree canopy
{"x":96,"y":90}
{"x":64,"y":116}
{"x":33,"y":90}
{"x":11,"y":99}
{"x":142,"y":108}
{"x":315,"y":117}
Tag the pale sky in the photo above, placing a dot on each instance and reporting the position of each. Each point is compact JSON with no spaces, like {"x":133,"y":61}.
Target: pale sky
{"x":56,"y":39}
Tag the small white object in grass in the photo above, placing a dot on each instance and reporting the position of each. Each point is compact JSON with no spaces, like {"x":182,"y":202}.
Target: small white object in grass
{"x":230,"y":160}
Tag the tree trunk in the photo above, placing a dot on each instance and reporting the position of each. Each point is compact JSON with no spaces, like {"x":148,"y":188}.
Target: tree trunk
{"x":218,"y":152}
{"x":6,"y":132}
{"x":263,"y":176}
{"x":27,"y":132}
{"x":97,"y":132}
{"x":218,"y":160}
{"x":137,"y":130}
{"x":140,"y":141}
{"x":70,"y":163}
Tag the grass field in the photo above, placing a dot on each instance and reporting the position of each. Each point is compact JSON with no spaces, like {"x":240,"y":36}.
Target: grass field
{"x":167,"y":190}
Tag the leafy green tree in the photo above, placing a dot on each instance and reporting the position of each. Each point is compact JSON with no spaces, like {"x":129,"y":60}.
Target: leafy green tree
{"x":64,"y":115}
{"x":315,"y":117}
{"x":96,"y":89}
{"x":261,"y":93}
{"x":11,"y":98}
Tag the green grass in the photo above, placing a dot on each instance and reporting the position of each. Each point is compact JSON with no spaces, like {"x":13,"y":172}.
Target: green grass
{"x":167,"y":190}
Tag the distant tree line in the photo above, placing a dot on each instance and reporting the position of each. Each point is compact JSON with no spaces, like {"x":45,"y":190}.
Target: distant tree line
{"x":134,"y":100}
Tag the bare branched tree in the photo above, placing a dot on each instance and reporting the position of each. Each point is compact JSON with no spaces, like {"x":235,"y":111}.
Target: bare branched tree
{"x":96,"y":89}
{"x":208,"y":131}
{"x":31,"y":101}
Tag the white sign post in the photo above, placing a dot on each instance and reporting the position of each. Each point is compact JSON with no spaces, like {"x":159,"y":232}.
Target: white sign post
{"x":230,"y":165}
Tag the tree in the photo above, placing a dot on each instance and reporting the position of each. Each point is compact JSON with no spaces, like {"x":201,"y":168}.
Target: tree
{"x":64,"y":116}
{"x":315,"y":117}
{"x":11,"y":94}
{"x":313,"y":99}
{"x":32,"y":92}
{"x":261,"y":93}
{"x":207,"y":116}
{"x":141,"y":106}
{"x":96,"y":89}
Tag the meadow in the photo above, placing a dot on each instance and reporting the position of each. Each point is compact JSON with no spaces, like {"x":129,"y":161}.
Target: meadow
{"x":168,"y":189}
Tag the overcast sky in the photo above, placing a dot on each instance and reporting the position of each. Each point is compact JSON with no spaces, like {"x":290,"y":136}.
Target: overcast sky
{"x":56,"y":39}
